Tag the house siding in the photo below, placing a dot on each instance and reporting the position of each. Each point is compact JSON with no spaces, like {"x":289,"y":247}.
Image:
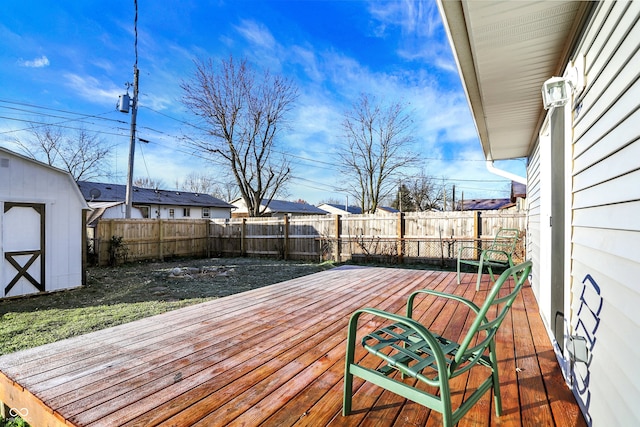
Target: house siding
{"x":533,"y":218}
{"x":605,"y":226}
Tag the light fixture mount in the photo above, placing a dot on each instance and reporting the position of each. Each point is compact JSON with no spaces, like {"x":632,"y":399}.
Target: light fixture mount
{"x":555,"y":92}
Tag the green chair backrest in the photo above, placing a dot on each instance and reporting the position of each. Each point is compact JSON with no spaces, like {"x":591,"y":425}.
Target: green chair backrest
{"x":504,"y":241}
{"x":469,"y":353}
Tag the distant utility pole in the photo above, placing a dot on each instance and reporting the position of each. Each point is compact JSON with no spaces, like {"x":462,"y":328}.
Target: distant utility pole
{"x":453,"y":202}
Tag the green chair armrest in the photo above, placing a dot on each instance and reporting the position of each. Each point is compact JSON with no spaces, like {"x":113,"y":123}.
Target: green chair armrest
{"x":458,"y":298}
{"x":423,"y":333}
{"x":471,"y":248}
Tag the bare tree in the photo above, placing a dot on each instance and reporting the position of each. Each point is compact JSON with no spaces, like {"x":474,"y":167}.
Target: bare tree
{"x":146,"y":182}
{"x":197,"y":182}
{"x":222,"y":188}
{"x":83,"y":154}
{"x":244,"y":114}
{"x":377,"y":149}
{"x":426,"y":192}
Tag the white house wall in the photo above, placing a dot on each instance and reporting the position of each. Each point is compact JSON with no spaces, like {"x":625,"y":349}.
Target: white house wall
{"x":533,"y":218}
{"x":605,"y":222}
{"x":194,"y":212}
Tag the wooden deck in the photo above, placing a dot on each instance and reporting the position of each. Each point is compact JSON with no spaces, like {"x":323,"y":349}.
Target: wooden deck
{"x":275,"y":356}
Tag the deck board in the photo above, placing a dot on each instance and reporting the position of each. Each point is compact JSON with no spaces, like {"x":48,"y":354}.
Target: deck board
{"x":275,"y":356}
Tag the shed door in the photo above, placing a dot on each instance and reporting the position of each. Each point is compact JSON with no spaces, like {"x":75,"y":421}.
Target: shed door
{"x":22,"y":269}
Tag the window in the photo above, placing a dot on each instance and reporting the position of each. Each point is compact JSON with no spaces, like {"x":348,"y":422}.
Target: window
{"x":172,"y":213}
{"x":186,"y":212}
{"x":144,"y":210}
{"x":205,"y":213}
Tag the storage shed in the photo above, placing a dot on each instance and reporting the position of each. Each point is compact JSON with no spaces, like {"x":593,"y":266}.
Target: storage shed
{"x":41,"y":227}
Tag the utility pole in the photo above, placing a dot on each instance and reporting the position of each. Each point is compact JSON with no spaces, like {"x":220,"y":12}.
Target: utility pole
{"x":132,"y":144}
{"x":453,"y":202}
{"x":134,"y":114}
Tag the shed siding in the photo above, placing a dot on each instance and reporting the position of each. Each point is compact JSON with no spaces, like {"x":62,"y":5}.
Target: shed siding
{"x":27,"y":181}
{"x":605,"y":223}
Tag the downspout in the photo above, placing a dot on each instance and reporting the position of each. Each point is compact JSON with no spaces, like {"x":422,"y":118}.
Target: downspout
{"x":513,"y":177}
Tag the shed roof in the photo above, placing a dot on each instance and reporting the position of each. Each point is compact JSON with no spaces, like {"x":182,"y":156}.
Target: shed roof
{"x":100,"y":192}
{"x":73,"y":188}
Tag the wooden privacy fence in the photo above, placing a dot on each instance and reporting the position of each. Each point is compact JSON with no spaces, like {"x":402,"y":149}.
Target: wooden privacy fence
{"x":406,"y":237}
{"x":145,"y":239}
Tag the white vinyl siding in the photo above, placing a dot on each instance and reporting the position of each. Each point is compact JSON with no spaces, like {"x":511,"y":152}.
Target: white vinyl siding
{"x":605,"y":207}
{"x":533,"y":218}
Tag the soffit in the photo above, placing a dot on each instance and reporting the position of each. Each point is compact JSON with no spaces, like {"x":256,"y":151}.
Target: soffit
{"x":505,"y":51}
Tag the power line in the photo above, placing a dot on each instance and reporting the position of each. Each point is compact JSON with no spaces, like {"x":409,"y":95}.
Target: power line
{"x":58,"y":124}
{"x":40,"y":107}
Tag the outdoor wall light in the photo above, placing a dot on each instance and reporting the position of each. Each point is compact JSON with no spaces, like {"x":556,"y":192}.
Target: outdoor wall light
{"x":555,"y":93}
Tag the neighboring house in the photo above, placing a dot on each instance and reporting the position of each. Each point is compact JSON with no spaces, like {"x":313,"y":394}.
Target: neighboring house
{"x":277,"y":208}
{"x":583,"y":170}
{"x":338,"y":209}
{"x":516,"y":202}
{"x":387,"y":210}
{"x":41,"y":223}
{"x":108,"y":201}
{"x":483,"y":204}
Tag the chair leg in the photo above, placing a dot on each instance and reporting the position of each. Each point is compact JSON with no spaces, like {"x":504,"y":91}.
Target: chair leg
{"x":349,"y":357}
{"x":479,"y":276}
{"x":496,"y":380}
{"x":348,"y":393}
{"x":458,"y":269}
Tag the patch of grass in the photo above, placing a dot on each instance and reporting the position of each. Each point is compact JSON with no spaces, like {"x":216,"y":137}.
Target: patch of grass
{"x":13,"y":422}
{"x":130,"y":292}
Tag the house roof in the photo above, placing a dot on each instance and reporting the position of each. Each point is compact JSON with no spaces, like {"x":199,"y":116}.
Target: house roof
{"x":388,"y":209}
{"x":100,"y":192}
{"x":355,"y":210}
{"x":505,"y":51}
{"x":485,"y":204}
{"x":98,"y":209}
{"x":282,"y":206}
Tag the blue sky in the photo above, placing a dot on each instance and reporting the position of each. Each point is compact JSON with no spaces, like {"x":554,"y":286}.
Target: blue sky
{"x":66,"y":62}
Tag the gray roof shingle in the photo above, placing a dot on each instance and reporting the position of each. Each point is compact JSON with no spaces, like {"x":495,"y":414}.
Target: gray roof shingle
{"x":144,"y":196}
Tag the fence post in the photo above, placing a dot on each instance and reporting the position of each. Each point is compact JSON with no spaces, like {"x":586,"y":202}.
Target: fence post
{"x":243,"y":235}
{"x":477,"y":232}
{"x":160,"y":238}
{"x":208,"y":237}
{"x":286,"y":238}
{"x":338,"y":228}
{"x":401,"y":231}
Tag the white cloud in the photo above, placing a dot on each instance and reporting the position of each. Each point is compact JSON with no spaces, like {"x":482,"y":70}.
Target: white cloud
{"x":93,"y":89}
{"x":413,"y":17}
{"x":41,"y":62}
{"x":256,"y":34}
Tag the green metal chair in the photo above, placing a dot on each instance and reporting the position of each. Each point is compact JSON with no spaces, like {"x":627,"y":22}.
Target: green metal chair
{"x":497,"y":255}
{"x":410,"y":348}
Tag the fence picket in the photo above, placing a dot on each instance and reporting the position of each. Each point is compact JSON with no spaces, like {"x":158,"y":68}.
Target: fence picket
{"x":423,"y":236}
